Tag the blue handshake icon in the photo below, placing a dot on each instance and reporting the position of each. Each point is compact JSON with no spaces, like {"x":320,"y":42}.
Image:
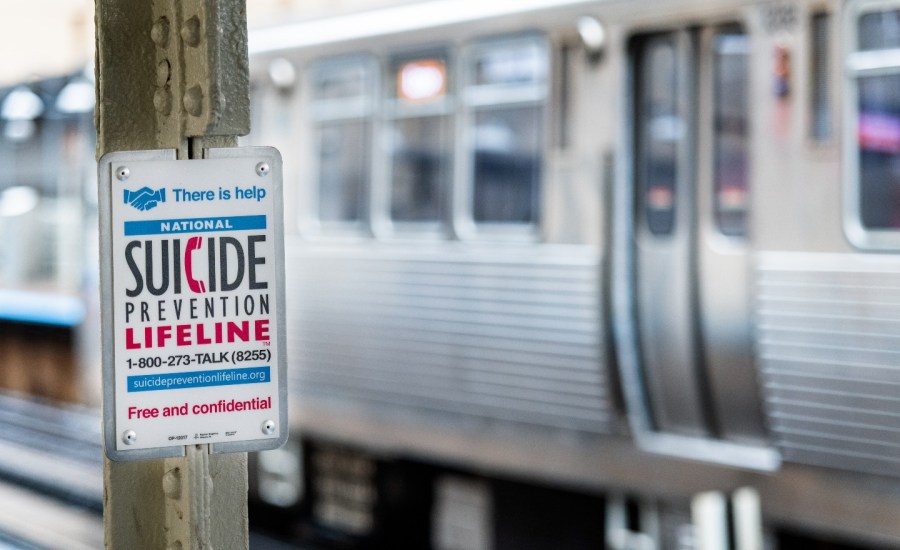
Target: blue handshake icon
{"x":145,"y":198}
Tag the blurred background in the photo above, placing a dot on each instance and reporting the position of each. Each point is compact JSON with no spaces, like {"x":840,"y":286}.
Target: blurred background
{"x":58,"y":36}
{"x":562,"y":274}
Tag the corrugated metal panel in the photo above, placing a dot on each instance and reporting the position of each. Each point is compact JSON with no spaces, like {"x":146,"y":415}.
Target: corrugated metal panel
{"x":451,"y":336}
{"x":828,"y":338}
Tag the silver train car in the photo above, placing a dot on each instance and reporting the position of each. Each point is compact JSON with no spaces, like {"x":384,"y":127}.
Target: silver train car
{"x":573,"y":274}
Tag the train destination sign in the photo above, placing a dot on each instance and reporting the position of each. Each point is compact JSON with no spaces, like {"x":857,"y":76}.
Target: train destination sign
{"x":192,"y":262}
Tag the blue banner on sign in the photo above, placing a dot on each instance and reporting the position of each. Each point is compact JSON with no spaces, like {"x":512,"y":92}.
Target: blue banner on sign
{"x":194,"y":225}
{"x":199,"y":379}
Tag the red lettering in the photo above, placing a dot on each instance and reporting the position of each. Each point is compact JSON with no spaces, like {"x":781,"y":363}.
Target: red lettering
{"x":262,"y":330}
{"x":163,"y":333}
{"x":242,"y":331}
{"x":201,"y":338}
{"x":183,"y":335}
{"x":134,"y":412}
{"x":198,"y":334}
{"x":129,"y":341}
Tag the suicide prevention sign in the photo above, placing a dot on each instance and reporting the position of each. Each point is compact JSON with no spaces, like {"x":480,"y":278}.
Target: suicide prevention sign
{"x":192,"y":285}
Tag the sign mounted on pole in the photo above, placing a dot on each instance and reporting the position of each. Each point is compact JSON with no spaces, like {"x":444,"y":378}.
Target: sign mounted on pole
{"x":192,"y":279}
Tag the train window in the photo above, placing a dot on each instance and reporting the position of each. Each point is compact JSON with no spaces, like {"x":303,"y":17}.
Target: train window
{"x":660,"y":131}
{"x":343,"y":170}
{"x":730,"y":138}
{"x":820,"y":88}
{"x":342,"y":107}
{"x":420,"y":138}
{"x":879,"y":151}
{"x":347,"y":79}
{"x":879,"y":30}
{"x":506,"y":95}
{"x":875,"y":75}
{"x":512,"y":63}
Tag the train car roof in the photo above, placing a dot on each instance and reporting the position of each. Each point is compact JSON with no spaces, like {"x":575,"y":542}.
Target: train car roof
{"x":391,"y":20}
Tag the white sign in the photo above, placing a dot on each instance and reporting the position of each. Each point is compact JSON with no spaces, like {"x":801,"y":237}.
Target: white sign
{"x":193,"y":302}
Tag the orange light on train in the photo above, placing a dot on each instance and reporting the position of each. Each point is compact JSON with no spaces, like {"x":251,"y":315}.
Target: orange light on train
{"x":660,"y":197}
{"x":422,"y":80}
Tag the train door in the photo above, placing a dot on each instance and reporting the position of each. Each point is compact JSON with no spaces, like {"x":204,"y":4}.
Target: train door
{"x":665,"y":233}
{"x":723,"y":237}
{"x":688,"y":233}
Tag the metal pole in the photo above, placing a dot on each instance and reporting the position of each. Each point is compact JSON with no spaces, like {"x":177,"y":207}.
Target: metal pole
{"x":173,"y":74}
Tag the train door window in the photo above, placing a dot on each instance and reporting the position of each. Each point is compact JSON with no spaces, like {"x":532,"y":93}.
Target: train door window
{"x":342,"y":109}
{"x":661,"y":130}
{"x":820,"y":77}
{"x":874,"y":71}
{"x":506,"y":96}
{"x":730,"y":130}
{"x":420,"y":137}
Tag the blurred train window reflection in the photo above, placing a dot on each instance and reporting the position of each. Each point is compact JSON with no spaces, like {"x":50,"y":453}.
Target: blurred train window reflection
{"x":660,"y":131}
{"x":343,"y":106}
{"x":878,"y":120}
{"x":507,"y":94}
{"x":730,"y":125}
{"x":421,"y":138}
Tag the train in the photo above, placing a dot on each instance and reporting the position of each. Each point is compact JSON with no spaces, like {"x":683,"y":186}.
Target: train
{"x":569,"y":274}
{"x":583,"y":274}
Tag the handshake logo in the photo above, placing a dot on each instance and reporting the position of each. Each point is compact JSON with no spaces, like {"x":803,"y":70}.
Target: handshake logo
{"x":145,"y":198}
